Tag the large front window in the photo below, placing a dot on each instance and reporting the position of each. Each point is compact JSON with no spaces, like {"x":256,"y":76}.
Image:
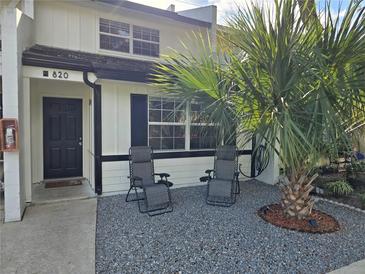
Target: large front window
{"x":166,"y":124}
{"x":175,"y":126}
{"x":202,"y":134}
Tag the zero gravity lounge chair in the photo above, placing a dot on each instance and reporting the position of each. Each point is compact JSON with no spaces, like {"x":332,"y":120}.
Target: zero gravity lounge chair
{"x":155,"y":198}
{"x":223,"y":184}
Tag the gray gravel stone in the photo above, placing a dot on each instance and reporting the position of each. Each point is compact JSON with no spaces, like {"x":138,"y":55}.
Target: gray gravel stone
{"x":197,"y":238}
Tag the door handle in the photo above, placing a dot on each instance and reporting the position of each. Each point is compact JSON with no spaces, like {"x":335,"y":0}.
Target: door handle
{"x":80,"y":144}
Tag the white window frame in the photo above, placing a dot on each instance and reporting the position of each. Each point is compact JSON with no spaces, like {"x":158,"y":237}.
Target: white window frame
{"x":129,"y":37}
{"x":188,"y":124}
{"x":165,"y":123}
{"x":145,"y":41}
{"x":191,"y":124}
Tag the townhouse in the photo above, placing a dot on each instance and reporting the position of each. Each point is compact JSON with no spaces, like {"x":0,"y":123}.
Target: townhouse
{"x":75,"y":80}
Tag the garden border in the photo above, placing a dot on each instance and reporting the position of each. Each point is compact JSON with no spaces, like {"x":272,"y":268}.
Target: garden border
{"x":339,"y":204}
{"x":262,"y":214}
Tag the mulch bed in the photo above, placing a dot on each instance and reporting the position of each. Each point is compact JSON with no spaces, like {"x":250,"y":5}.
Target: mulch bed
{"x":274,"y":215}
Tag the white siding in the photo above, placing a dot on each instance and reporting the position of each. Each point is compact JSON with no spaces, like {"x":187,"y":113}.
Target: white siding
{"x":116,"y":141}
{"x":183,"y":171}
{"x":116,"y":114}
{"x":63,"y":25}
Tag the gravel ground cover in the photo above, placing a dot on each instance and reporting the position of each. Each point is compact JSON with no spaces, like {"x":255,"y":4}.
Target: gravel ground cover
{"x":197,"y":238}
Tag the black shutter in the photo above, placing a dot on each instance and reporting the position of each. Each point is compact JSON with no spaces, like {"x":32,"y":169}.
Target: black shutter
{"x":139,"y":120}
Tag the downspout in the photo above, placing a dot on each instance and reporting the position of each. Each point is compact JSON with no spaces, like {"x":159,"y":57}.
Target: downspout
{"x":97,"y":133}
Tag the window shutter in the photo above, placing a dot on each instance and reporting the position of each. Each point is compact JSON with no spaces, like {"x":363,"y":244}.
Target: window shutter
{"x":139,"y":120}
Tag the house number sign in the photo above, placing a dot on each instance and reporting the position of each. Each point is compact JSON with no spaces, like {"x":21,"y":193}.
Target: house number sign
{"x":59,"y":74}
{"x":56,"y":74}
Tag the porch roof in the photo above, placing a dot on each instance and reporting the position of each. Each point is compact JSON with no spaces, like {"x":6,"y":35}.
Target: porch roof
{"x":104,"y":67}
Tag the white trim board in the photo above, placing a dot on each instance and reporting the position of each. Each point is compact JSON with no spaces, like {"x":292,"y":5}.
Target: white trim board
{"x":56,"y":74}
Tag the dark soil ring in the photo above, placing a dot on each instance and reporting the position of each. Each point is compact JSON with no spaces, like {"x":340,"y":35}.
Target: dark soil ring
{"x":274,"y":215}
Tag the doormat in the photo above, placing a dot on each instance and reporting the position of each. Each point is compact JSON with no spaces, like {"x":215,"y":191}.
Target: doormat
{"x":62,"y":183}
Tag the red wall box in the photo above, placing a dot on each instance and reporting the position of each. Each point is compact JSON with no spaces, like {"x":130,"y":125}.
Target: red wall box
{"x":9,"y":140}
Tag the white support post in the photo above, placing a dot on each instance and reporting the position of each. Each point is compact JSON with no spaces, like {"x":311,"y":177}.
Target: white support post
{"x":271,"y":173}
{"x":25,"y":144}
{"x":28,"y":8}
{"x":187,"y":126}
{"x":14,"y":197}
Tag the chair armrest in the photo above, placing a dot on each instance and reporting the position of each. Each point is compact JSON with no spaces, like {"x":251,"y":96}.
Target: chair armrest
{"x":210,"y":172}
{"x":162,"y":175}
{"x":135,"y":178}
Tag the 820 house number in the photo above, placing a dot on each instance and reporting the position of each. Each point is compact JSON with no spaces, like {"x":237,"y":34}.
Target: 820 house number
{"x":60,"y":74}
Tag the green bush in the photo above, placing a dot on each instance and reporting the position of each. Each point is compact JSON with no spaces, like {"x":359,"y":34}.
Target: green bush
{"x":356,"y":167}
{"x":339,"y":188}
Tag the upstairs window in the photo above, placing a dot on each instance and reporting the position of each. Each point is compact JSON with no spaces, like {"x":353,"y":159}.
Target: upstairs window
{"x":117,"y":36}
{"x":114,"y":35}
{"x":146,"y":41}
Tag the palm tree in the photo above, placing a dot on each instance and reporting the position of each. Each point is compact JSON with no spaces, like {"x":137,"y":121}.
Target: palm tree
{"x":297,"y":87}
{"x":308,"y":9}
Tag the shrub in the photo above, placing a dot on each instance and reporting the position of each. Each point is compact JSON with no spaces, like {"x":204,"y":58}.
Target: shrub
{"x":356,"y":166}
{"x":339,"y":188}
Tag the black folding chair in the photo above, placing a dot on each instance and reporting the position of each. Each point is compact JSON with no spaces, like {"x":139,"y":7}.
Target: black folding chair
{"x":223,"y":183}
{"x":155,"y":198}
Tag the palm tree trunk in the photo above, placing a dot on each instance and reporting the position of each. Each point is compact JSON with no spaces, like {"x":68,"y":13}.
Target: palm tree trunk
{"x":308,"y":8}
{"x":309,"y":12}
{"x":296,"y":200}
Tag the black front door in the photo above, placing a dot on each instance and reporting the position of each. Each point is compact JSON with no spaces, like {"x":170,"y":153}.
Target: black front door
{"x":62,"y":137}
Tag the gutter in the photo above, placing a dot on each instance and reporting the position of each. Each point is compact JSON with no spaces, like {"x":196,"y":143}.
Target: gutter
{"x":97,"y":133}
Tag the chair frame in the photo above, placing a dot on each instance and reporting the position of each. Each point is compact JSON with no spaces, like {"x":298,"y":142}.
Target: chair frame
{"x":235,"y":183}
{"x":134,"y":186}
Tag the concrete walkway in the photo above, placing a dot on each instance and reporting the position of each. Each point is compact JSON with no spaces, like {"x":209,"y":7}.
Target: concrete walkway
{"x":354,"y":268}
{"x":52,"y":238}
